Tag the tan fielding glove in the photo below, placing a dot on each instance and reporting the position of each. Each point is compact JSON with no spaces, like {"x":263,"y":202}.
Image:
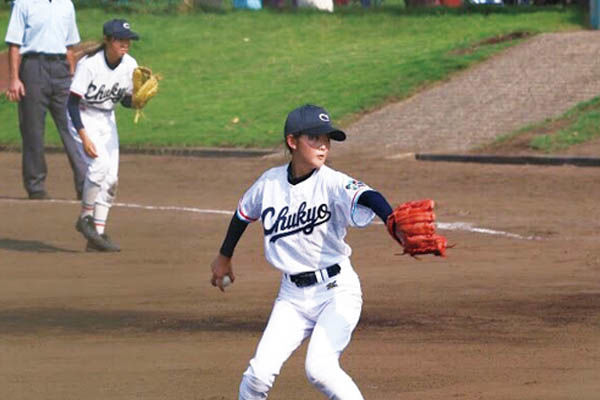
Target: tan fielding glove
{"x":145,"y":87}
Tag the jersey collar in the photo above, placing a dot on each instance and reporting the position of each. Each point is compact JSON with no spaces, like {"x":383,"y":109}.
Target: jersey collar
{"x":113,"y":67}
{"x":295,"y":181}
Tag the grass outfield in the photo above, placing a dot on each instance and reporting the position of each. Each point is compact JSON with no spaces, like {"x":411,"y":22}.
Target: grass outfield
{"x":577,"y":125}
{"x":230,"y":78}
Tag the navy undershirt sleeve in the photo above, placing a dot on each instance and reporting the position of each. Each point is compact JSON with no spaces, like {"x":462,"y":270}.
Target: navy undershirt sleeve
{"x":376,"y":202}
{"x":126,"y":101}
{"x":234,"y":233}
{"x":73,"y":108}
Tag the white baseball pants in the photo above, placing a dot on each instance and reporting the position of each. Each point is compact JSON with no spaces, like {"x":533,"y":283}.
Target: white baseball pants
{"x":103,"y":170}
{"x":325,"y":312}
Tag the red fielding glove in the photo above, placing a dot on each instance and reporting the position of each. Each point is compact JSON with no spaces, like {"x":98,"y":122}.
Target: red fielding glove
{"x":412,"y":225}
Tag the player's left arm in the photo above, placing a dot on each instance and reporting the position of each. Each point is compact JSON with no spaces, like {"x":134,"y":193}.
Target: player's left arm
{"x":410,"y":224}
{"x":127,"y":100}
{"x":375,"y":201}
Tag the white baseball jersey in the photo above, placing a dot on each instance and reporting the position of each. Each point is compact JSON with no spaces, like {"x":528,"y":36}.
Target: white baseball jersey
{"x":305,"y":224}
{"x":101,"y":89}
{"x":99,"y":86}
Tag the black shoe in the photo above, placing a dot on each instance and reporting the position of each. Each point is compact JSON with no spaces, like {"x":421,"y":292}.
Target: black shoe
{"x":87,"y":227}
{"x":42,"y":195}
{"x":104,"y":245}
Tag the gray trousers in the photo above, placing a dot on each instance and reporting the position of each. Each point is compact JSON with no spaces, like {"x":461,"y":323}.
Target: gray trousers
{"x":47,"y":81}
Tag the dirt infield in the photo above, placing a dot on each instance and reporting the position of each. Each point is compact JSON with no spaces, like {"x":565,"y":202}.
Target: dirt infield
{"x":513,"y":313}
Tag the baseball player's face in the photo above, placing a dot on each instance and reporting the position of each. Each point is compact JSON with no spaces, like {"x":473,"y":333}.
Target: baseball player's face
{"x":310,"y":151}
{"x":117,"y":48}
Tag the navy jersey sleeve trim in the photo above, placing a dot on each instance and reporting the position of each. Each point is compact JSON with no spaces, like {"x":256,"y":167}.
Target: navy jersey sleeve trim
{"x":234,"y":233}
{"x":376,"y":202}
{"x":73,"y":108}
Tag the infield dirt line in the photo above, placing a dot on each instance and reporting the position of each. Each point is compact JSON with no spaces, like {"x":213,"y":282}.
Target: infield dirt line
{"x":450,"y":226}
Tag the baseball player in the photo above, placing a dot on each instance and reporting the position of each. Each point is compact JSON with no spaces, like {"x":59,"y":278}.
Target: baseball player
{"x":305,"y":208}
{"x":102,"y":79}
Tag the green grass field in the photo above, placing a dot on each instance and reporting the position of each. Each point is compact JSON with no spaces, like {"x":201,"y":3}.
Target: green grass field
{"x":576,"y":126}
{"x":231,"y":77}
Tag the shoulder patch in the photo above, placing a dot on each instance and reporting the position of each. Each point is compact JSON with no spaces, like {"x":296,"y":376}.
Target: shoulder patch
{"x":354,"y":184}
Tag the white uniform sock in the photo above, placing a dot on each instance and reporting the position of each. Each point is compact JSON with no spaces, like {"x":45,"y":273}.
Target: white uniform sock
{"x":252,"y":389}
{"x":100,"y":216}
{"x":88,"y":198}
{"x":86,"y":209}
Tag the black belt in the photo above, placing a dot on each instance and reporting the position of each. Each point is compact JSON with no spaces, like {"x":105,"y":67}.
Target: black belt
{"x":305,"y":279}
{"x":47,"y":56}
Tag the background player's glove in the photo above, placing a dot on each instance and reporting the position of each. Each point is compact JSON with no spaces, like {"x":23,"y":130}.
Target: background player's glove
{"x":145,"y":87}
{"x":412,"y":225}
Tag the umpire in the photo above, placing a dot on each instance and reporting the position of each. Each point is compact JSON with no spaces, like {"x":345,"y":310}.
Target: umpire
{"x":41,"y":62}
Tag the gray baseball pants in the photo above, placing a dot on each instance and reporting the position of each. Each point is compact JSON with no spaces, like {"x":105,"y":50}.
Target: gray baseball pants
{"x":47,"y":81}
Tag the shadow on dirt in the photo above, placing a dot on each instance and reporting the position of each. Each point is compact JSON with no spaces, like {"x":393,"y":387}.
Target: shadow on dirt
{"x":514,"y":321}
{"x":69,"y":321}
{"x":500,"y":321}
{"x":31,"y":246}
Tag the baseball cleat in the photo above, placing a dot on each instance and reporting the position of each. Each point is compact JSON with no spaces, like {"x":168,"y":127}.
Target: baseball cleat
{"x":42,"y":195}
{"x":104,"y":244}
{"x":87,"y":228}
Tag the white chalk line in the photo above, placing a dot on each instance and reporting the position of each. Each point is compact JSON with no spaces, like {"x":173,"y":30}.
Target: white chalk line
{"x":451,"y":226}
{"x":466,"y":226}
{"x":125,"y":205}
{"x":469,"y":227}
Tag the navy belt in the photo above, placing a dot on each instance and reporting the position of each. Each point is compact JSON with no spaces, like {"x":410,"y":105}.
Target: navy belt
{"x":306,"y":279}
{"x":47,"y":56}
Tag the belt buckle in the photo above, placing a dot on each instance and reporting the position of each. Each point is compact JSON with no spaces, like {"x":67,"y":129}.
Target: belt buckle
{"x":304,"y":279}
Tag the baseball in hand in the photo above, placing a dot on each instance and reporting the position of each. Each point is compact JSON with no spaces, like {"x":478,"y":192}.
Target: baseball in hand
{"x":226,"y":281}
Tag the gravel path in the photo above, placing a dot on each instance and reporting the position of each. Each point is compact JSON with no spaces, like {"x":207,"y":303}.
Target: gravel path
{"x":539,"y":78}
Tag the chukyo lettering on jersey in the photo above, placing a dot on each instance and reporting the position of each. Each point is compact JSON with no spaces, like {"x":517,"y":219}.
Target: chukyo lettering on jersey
{"x":304,"y":220}
{"x":100,"y":94}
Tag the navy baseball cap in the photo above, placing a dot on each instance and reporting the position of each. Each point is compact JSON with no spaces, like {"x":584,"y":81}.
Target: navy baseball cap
{"x":119,"y":29}
{"x":312,"y":120}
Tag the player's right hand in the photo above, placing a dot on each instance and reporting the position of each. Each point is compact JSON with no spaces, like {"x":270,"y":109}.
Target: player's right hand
{"x":88,"y":145}
{"x":15,"y":91}
{"x":220,"y":267}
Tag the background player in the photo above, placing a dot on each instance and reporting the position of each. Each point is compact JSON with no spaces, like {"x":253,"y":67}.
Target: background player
{"x":305,"y":208}
{"x":103,"y":78}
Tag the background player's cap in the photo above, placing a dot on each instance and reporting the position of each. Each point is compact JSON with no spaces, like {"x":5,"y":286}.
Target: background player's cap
{"x":119,"y":29}
{"x":312,"y":120}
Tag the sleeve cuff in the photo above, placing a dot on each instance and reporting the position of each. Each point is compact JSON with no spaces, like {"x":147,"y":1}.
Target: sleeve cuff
{"x":360,"y":216}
